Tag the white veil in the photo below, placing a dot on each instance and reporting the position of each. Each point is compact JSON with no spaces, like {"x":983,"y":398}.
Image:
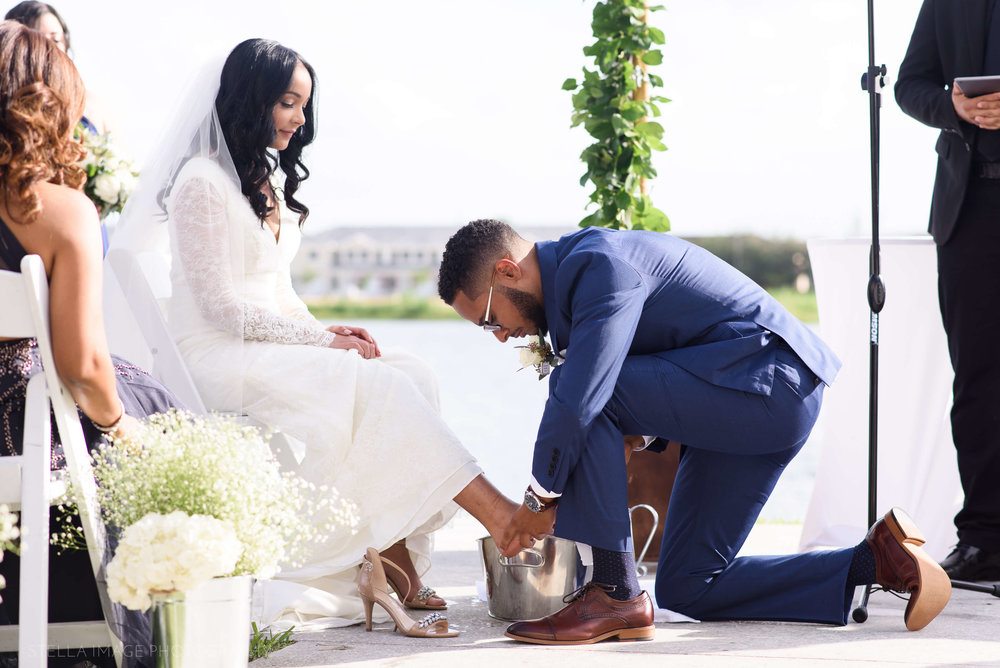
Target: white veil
{"x":143,"y":273}
{"x":193,"y":132}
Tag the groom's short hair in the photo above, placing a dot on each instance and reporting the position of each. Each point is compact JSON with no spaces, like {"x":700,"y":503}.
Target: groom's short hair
{"x":469,"y":254}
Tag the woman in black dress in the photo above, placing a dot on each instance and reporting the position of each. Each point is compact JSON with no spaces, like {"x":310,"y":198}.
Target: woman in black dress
{"x":43,"y":212}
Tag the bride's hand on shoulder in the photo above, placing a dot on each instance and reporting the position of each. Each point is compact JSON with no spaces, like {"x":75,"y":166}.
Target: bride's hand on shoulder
{"x":357,"y":332}
{"x":351,"y":342}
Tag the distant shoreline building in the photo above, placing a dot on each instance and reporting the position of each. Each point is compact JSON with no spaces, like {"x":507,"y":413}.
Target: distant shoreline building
{"x":380,"y":262}
{"x":372,"y":263}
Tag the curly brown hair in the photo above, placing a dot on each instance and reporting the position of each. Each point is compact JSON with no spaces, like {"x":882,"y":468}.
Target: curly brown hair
{"x":41,"y":101}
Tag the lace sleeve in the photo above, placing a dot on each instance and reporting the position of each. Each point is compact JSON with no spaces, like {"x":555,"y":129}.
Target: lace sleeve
{"x":204,"y":247}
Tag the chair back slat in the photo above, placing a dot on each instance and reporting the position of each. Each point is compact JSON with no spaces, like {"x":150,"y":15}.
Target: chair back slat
{"x":15,"y":317}
{"x":143,"y":299}
{"x":64,"y":409}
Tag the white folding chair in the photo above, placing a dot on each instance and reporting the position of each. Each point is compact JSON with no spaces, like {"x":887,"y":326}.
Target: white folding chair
{"x":26,"y":482}
{"x":154,"y":349}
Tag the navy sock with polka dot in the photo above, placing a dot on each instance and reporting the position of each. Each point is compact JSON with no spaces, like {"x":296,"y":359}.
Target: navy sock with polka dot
{"x":862,"y":571}
{"x":618,"y":569}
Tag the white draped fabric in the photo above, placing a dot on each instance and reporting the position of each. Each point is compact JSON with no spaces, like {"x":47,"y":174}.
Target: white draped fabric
{"x":917,"y":466}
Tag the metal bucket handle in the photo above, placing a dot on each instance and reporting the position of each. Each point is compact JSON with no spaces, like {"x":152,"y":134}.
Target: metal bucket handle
{"x":511,"y":563}
{"x":641,"y":569}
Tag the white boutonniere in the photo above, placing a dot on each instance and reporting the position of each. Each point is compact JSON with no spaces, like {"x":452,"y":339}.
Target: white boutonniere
{"x":539,"y":355}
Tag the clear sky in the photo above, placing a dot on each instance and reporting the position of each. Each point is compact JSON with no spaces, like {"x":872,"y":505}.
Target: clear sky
{"x":440,"y":111}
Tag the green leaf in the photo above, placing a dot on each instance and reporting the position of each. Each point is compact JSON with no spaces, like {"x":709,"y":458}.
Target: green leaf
{"x":655,"y":220}
{"x":656,"y":144}
{"x":569,"y":84}
{"x":656,"y":35}
{"x":655,"y":80}
{"x":650,"y":129}
{"x":653,"y":57}
{"x":594,"y":219}
{"x":657,"y":8}
{"x":633,"y":112}
{"x":620,"y":124}
{"x":623,"y":200}
{"x":599,"y":128}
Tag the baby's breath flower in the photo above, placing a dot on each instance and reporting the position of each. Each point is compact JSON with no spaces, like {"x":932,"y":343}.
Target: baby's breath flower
{"x":211,"y":465}
{"x":8,"y":534}
{"x":8,"y":527}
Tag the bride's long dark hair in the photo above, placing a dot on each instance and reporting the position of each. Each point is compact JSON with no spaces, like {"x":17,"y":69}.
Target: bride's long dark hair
{"x":256,"y":74}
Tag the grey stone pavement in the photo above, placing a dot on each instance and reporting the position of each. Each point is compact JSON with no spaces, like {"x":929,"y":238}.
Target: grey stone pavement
{"x":967,"y":633}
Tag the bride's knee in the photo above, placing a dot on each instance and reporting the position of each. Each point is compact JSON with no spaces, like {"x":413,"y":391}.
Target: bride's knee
{"x":419,"y":372}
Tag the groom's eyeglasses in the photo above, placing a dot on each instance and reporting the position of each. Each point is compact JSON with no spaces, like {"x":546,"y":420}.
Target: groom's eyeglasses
{"x":487,"y":325}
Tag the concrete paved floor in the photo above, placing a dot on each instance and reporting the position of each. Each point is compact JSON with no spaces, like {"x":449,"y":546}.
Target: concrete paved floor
{"x":967,"y":633}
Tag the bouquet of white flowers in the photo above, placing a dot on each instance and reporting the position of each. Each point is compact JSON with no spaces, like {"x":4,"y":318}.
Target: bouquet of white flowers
{"x":207,"y":466}
{"x":8,"y":534}
{"x":110,"y":179}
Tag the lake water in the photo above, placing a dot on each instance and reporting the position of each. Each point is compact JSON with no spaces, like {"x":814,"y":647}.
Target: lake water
{"x":494,"y":408}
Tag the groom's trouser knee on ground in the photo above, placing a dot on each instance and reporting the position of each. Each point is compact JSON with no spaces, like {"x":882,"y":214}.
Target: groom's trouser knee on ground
{"x":738,"y":445}
{"x":716,"y":500}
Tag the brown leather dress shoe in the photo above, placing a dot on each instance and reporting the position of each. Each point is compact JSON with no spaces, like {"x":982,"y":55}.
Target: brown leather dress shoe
{"x":591,"y":616}
{"x":902,"y":565}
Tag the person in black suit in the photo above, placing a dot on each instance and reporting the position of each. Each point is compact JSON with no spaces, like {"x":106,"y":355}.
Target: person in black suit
{"x":956,"y":38}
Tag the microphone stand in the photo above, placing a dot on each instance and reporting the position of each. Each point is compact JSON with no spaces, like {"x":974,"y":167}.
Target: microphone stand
{"x":872,"y":82}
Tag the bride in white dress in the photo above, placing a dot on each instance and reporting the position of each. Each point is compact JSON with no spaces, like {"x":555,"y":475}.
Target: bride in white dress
{"x":220,"y":202}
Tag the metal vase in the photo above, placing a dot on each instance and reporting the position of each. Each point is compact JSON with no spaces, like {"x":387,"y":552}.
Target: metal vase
{"x":208,"y":626}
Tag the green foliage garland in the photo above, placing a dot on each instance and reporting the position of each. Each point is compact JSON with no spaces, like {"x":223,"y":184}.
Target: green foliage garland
{"x":613,"y":104}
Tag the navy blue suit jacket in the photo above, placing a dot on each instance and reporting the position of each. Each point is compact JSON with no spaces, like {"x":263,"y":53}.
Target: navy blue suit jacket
{"x":610,"y":294}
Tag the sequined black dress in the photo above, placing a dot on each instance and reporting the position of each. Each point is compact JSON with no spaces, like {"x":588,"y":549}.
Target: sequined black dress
{"x":72,"y":591}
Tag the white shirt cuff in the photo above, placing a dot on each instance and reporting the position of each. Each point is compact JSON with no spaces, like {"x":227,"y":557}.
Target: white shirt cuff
{"x":541,"y":491}
{"x":648,"y":441}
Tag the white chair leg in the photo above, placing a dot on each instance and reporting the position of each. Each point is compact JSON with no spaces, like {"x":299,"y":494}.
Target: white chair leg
{"x":33,"y":605}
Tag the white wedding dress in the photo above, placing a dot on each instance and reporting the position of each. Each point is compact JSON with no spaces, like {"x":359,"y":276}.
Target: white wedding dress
{"x":370,"y":428}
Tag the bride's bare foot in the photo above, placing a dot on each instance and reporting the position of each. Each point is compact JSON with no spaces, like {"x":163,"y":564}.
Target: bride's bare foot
{"x":416,"y":596}
{"x":488,"y":505}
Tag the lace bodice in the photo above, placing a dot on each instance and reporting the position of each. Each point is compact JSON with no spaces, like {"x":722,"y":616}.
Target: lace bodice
{"x":230,"y":273}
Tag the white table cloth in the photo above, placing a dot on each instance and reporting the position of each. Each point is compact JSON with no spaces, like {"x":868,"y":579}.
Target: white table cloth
{"x":917,"y":467}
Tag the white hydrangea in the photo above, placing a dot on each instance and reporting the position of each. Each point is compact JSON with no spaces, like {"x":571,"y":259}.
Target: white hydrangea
{"x":170,"y":553}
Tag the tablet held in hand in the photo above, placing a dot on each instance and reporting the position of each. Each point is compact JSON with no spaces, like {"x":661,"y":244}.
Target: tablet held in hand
{"x":976,"y":86}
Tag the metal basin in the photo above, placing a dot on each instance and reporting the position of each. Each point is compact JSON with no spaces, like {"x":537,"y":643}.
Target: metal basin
{"x":532,"y":583}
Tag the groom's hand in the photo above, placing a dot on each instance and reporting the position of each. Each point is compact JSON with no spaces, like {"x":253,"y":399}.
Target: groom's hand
{"x":525,"y":528}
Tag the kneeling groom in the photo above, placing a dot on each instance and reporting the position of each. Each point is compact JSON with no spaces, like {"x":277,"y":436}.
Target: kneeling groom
{"x":658,"y":336}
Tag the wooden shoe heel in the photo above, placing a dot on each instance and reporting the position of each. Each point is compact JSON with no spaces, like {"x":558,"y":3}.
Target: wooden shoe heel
{"x":643,"y":633}
{"x":932,"y":596}
{"x":903,"y":527}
